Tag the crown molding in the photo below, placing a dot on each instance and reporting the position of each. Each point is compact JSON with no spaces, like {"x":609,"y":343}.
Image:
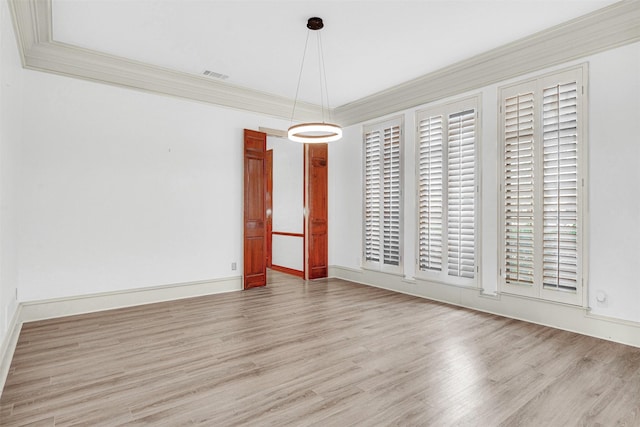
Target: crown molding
{"x":65,"y":59}
{"x":32,"y":22}
{"x":604,"y":29}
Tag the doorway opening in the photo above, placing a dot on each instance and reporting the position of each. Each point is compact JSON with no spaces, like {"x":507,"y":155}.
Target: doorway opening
{"x":287,"y":203}
{"x":285,"y":206}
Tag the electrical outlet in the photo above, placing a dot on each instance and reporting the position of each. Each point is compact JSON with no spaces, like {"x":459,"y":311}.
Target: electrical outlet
{"x":602,"y":299}
{"x":234,"y":266}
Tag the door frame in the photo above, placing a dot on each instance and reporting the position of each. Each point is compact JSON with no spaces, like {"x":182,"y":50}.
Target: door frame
{"x":269,"y":205}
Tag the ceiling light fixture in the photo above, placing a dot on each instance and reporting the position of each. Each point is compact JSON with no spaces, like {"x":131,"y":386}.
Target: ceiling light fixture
{"x":315,"y":132}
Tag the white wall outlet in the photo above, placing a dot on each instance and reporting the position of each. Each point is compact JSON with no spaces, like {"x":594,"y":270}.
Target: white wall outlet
{"x":234,"y":266}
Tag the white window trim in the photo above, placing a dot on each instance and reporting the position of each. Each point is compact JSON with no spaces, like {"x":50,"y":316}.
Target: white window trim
{"x":537,"y":291}
{"x":380,"y":265}
{"x":445,"y":109}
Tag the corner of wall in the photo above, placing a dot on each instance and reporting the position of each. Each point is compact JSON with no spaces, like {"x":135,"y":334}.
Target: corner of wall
{"x":8,"y":347}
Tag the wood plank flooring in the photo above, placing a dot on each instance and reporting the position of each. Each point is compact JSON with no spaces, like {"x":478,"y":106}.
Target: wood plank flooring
{"x":326,"y":353}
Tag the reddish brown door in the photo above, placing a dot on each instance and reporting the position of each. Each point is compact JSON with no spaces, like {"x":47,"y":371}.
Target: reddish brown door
{"x":268,"y":199}
{"x":255,"y":269}
{"x":316,"y":168}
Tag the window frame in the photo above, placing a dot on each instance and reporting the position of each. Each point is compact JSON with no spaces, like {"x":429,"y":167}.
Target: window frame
{"x":445,"y":110}
{"x":537,"y":290}
{"x":380,"y":265}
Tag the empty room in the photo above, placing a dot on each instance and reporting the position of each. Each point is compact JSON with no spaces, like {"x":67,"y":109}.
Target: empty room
{"x":320,"y":213}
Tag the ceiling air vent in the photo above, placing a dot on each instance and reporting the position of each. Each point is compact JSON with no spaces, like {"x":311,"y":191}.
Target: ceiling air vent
{"x":215,"y":75}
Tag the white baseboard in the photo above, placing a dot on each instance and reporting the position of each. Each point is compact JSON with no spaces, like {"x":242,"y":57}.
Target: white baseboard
{"x":9,"y":347}
{"x":555,"y":315}
{"x":60,"y":307}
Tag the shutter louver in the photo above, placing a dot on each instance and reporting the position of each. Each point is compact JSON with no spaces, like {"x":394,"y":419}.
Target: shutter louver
{"x":560,"y":199}
{"x":461,"y":194}
{"x":430,"y":195}
{"x":542,"y":187}
{"x":518,"y":188}
{"x":372,"y":197}
{"x":391,"y":200}
{"x":383,"y":196}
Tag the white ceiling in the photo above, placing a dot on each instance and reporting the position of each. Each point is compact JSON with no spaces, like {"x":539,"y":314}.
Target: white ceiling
{"x":369,"y":46}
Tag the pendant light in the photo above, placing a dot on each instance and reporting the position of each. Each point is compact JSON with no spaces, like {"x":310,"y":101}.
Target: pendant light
{"x":316,"y":132}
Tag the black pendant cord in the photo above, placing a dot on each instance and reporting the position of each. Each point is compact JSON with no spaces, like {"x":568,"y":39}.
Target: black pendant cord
{"x":324,"y":76}
{"x":295,"y":100}
{"x":320,"y":70}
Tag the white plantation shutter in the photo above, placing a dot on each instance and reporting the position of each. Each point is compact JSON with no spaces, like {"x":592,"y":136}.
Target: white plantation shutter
{"x":447,"y":185}
{"x":560,"y":206}
{"x":518,"y":188}
{"x":383,"y":195}
{"x":542,"y":187}
{"x":372,"y":196}
{"x":391,"y":201}
{"x":461,"y":194}
{"x":430,"y":193}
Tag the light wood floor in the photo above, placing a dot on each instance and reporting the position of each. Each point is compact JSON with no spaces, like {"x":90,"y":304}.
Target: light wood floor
{"x":327,"y":353}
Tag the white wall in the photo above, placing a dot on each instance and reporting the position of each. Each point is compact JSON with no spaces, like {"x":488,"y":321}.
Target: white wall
{"x":11,"y":87}
{"x":345,"y":199}
{"x":288,"y":251}
{"x":288,"y":203}
{"x":614,"y":188}
{"x":122,"y":189}
{"x":615,"y":182}
{"x":288,"y":181}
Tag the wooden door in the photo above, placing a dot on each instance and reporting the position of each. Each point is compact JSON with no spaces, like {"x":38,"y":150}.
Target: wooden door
{"x":316,"y":174}
{"x":255,"y":268}
{"x":268,"y":199}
